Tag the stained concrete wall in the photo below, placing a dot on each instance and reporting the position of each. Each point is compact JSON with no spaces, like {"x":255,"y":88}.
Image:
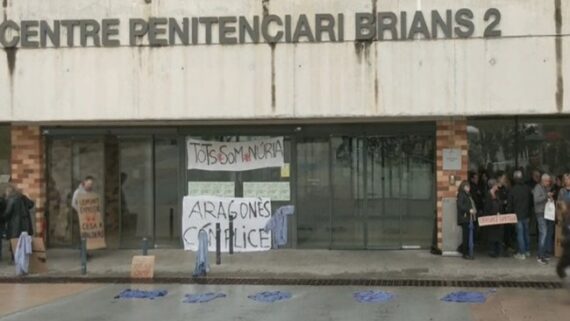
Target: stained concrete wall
{"x":519,"y":73}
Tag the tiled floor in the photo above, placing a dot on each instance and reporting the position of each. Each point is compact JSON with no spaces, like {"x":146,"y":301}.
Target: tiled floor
{"x":17,"y":297}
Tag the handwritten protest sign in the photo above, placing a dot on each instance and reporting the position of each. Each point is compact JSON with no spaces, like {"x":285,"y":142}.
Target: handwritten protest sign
{"x":249,"y":218}
{"x":142,"y":267}
{"x":235,"y":156}
{"x":497,"y":219}
{"x":91,"y":221}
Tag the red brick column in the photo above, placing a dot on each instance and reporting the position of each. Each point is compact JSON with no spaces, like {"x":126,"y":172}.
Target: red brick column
{"x":27,"y":168}
{"x":449,"y":134}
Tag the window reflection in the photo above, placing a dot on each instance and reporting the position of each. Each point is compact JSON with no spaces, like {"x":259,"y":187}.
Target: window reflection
{"x":492,"y":145}
{"x":544,"y":145}
{"x":533,"y":144}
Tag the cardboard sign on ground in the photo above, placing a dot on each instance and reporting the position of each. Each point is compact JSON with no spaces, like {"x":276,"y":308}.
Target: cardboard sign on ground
{"x":142,"y":267}
{"x":91,"y":221}
{"x":38,"y":259}
{"x":497,"y":219}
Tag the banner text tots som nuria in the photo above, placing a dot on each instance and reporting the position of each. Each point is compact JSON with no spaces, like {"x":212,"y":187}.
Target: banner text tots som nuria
{"x":235,"y":156}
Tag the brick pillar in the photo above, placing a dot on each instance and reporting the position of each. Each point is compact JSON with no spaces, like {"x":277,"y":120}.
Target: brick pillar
{"x":449,"y":134}
{"x":27,"y":168}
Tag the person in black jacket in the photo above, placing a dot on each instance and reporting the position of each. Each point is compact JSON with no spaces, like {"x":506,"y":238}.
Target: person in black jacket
{"x":466,"y":214}
{"x":520,"y":200}
{"x":534,"y":178}
{"x":17,"y":213}
{"x":475,"y":191}
{"x":494,"y":206}
{"x":509,"y":231}
{"x":2,"y":224}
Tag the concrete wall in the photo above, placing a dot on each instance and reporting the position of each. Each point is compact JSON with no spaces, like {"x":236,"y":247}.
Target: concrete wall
{"x":518,"y":73}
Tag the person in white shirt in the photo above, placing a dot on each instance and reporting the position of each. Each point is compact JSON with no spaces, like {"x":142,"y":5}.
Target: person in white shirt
{"x":85,"y":187}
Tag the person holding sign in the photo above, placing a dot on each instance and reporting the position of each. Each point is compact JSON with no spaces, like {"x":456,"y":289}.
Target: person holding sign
{"x":493,"y":206}
{"x":466,"y":215}
{"x":542,"y":197}
{"x":86,"y":204}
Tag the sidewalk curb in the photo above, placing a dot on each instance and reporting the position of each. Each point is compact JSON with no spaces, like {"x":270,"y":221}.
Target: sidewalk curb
{"x":289,"y":281}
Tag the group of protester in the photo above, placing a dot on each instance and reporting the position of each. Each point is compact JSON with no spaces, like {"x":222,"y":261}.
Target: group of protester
{"x":482,"y":196}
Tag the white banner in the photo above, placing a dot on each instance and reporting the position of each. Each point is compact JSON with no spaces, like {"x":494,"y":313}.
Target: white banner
{"x":250,"y":215}
{"x":235,"y":156}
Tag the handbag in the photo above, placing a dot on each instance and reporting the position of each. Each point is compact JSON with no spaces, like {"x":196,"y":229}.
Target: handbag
{"x":550,"y":210}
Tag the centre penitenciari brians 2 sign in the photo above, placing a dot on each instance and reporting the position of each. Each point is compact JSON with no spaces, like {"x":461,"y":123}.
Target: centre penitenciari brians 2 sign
{"x":227,"y":30}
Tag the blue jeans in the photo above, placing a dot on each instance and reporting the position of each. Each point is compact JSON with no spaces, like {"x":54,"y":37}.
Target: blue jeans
{"x":545,"y":233}
{"x":523,"y":236}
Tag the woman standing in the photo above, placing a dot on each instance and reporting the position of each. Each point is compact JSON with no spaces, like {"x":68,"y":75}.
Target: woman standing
{"x":466,"y":212}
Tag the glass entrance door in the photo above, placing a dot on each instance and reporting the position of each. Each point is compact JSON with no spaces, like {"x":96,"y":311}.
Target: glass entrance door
{"x":137,"y":178}
{"x":69,"y":162}
{"x":313,"y":193}
{"x":149,"y":198}
{"x":385,"y":180}
{"x":400,"y":191}
{"x":167,"y":220}
{"x":366,"y":191}
{"x":136,"y":191}
{"x":348,"y":195}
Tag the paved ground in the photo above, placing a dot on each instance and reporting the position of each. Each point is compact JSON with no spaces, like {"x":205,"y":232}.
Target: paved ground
{"x":306,"y":264}
{"x":308,"y":303}
{"x":16,"y":297}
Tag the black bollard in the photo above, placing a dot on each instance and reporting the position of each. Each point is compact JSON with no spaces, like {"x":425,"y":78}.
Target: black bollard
{"x":218,"y":245}
{"x":144,"y":246}
{"x":231,"y":235}
{"x":83,"y":256}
